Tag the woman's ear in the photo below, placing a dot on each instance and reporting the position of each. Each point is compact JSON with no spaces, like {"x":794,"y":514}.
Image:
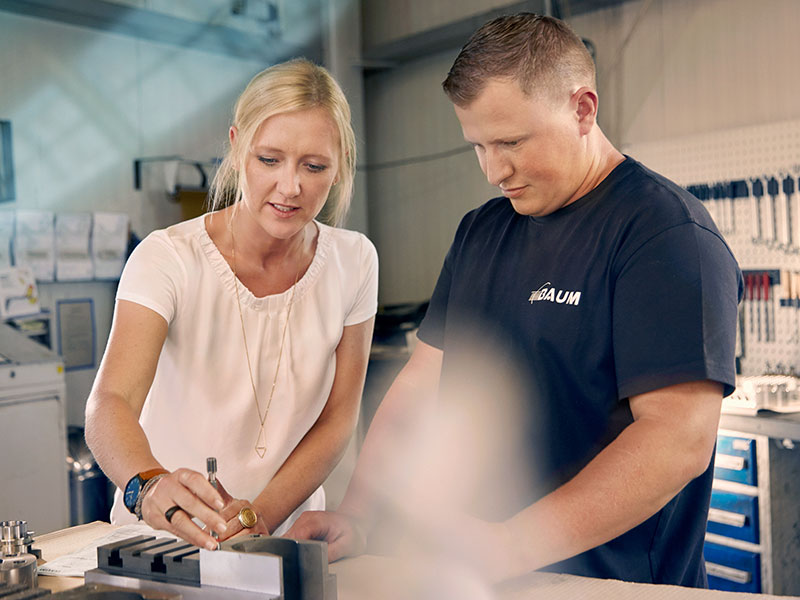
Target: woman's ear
{"x":232,"y":135}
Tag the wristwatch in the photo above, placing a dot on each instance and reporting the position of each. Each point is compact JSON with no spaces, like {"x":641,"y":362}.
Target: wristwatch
{"x":134,"y":487}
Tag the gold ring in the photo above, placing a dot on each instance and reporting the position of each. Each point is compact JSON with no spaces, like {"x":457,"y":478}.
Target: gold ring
{"x":248,"y":517}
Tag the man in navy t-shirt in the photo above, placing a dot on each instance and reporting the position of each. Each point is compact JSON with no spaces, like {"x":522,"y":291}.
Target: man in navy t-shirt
{"x":608,"y":291}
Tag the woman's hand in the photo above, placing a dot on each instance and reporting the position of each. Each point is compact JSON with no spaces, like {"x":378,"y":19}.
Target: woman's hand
{"x":193,"y":496}
{"x":231,"y":511}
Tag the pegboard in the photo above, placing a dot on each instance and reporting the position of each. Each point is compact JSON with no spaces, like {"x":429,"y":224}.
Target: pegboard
{"x":763,"y":232}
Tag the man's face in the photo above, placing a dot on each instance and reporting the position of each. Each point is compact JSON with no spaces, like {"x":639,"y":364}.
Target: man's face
{"x":530,"y":147}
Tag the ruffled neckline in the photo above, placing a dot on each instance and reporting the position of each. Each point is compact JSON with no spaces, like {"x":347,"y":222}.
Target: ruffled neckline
{"x":273,"y":302}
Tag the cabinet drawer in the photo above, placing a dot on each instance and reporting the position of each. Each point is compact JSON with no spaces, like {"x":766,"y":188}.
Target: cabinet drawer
{"x":731,"y":569}
{"x":736,"y":460}
{"x":733,"y":515}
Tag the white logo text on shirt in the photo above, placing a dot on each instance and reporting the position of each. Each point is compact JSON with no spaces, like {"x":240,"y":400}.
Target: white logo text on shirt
{"x":550,"y":294}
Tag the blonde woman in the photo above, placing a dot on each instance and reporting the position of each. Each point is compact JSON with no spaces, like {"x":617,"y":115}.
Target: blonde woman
{"x":243,"y":334}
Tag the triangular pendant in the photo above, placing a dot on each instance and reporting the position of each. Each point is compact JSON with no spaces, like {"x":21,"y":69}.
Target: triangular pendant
{"x":261,"y":443}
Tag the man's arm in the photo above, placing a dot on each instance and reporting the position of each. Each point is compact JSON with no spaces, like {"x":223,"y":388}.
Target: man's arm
{"x":669,"y":443}
{"x":408,"y":402}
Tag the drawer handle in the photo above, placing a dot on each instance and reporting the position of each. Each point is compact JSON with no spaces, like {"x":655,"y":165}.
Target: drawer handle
{"x":729,"y":573}
{"x":726,"y":517}
{"x":726,"y":461}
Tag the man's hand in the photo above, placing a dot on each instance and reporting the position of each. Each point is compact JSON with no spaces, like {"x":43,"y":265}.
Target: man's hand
{"x":344,"y":535}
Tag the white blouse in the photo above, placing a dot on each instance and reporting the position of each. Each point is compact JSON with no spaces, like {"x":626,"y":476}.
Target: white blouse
{"x":201,"y":401}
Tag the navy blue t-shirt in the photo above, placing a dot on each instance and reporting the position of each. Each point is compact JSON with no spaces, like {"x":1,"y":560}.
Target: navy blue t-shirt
{"x":629,"y":289}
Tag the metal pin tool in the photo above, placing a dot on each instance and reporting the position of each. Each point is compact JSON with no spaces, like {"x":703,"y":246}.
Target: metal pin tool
{"x":211,"y":467}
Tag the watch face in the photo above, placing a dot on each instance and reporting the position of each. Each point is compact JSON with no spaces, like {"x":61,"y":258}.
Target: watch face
{"x":132,"y":492}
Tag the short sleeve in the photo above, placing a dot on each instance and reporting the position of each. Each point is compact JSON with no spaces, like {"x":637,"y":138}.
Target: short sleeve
{"x":152,"y":276}
{"x":431,"y":329}
{"x":365,"y":304}
{"x":675,"y":312}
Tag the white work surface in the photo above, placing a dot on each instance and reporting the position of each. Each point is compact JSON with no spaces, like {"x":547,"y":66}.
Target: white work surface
{"x":375,"y":577}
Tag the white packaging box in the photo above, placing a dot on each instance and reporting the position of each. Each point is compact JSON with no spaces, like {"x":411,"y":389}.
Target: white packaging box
{"x":34,"y":243}
{"x":109,"y":244}
{"x":73,"y":257}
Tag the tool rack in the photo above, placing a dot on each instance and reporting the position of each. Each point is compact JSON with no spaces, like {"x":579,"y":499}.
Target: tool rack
{"x":748,"y":179}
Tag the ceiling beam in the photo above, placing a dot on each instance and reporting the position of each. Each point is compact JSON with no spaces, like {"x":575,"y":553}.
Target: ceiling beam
{"x":112,"y":17}
{"x":455,"y":34}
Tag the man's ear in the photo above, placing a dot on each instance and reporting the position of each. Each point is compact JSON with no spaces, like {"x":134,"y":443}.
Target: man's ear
{"x":585,"y":102}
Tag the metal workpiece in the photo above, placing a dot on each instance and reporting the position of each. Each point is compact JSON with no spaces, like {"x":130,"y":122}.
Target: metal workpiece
{"x":89,"y":591}
{"x":16,"y":539}
{"x":18,"y":570}
{"x":95,"y":591}
{"x":17,"y":562}
{"x":166,"y":564}
{"x":305,"y":564}
{"x":159,"y":559}
{"x":20,"y":592}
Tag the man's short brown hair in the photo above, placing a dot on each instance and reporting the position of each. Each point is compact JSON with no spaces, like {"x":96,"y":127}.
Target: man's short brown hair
{"x":541,"y":53}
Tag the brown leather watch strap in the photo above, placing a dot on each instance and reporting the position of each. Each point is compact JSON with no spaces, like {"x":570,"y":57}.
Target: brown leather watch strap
{"x":149,"y":474}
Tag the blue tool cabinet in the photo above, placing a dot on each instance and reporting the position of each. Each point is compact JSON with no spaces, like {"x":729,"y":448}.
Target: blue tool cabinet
{"x":731,"y":569}
{"x":753,"y":533}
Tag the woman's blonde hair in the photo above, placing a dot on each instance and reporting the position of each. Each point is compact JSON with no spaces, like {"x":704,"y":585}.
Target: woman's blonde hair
{"x":297,"y":84}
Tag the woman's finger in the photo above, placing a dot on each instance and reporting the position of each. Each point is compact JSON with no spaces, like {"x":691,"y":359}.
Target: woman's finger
{"x":179,"y":489}
{"x":226,"y":497}
{"x":232,"y":508}
{"x":193,"y":493}
{"x":200,"y":486}
{"x":180,"y":522}
{"x":236,"y":525}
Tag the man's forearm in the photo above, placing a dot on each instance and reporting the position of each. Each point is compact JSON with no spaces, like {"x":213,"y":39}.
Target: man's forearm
{"x":405,"y":407}
{"x":625,"y":484}
{"x":390,"y":430}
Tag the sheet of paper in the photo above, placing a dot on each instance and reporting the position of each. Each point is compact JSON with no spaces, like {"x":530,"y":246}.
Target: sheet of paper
{"x":77,"y":563}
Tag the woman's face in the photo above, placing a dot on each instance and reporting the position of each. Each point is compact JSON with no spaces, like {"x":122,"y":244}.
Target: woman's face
{"x":289,"y":169}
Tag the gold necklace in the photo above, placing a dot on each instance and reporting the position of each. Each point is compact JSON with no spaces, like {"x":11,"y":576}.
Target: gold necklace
{"x":261,"y":440}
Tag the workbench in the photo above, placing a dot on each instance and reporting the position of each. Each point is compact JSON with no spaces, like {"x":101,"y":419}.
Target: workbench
{"x":375,"y":577}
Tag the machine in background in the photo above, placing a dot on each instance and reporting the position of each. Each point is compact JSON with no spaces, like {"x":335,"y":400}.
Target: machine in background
{"x":33,"y":433}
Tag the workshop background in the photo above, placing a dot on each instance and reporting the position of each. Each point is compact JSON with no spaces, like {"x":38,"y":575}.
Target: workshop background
{"x":113,"y":113}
